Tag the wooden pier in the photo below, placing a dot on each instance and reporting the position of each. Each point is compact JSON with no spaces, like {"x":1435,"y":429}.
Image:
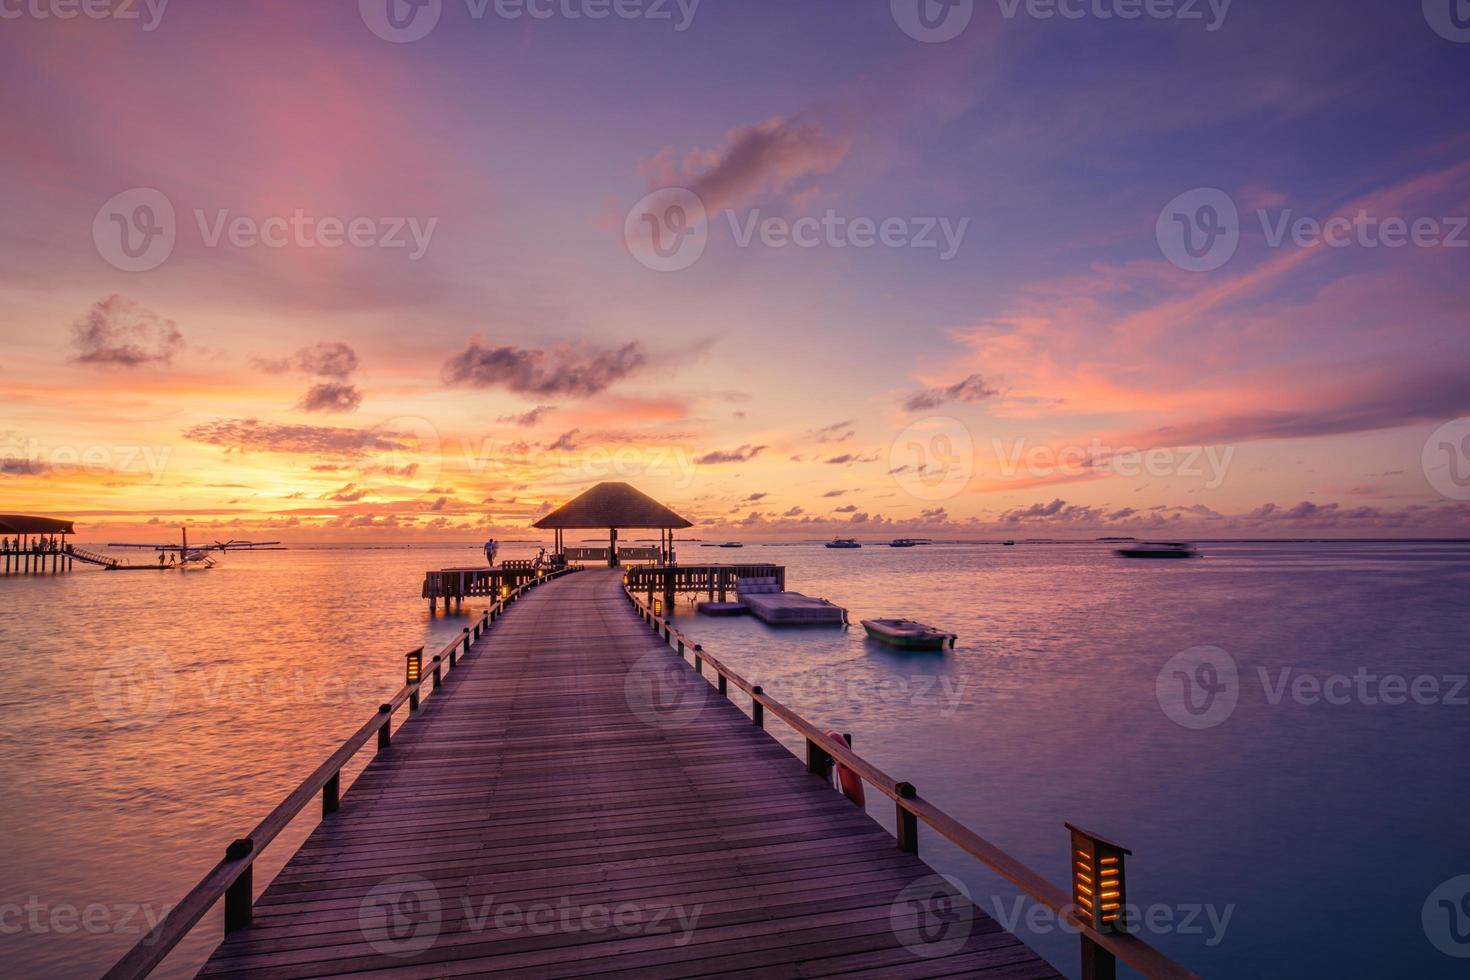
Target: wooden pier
{"x":712,"y":580}
{"x":582,"y":800}
{"x":36,"y":545}
{"x":455,"y":585}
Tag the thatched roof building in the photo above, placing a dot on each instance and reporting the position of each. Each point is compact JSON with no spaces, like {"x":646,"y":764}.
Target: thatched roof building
{"x":614,"y":506}
{"x":20,"y":524}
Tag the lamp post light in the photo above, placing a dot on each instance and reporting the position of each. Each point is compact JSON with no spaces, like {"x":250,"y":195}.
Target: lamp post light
{"x":413,"y":674}
{"x":1099,"y":896}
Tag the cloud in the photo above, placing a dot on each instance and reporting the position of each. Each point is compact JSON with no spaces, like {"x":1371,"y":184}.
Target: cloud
{"x":245,"y":435}
{"x":19,"y":466}
{"x":740,"y":454}
{"x":846,"y":509}
{"x":330,"y":396}
{"x":836,"y":432}
{"x":753,"y":498}
{"x":117,"y":332}
{"x":327,"y":360}
{"x":846,"y":458}
{"x":1343,"y":408}
{"x":527,"y":419}
{"x":349,"y":494}
{"x":1058,"y":511}
{"x":756,"y":163}
{"x":564,"y":371}
{"x":566,"y":441}
{"x":793,"y":512}
{"x":971,"y":389}
{"x":834,"y":493}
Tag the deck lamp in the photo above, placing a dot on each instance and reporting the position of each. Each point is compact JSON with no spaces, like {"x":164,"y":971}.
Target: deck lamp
{"x":1097,"y":881}
{"x":505,"y":592}
{"x":414,"y":669}
{"x":658,"y":607}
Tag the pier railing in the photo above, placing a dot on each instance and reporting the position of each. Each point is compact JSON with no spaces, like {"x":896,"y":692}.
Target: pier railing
{"x":232,"y":879}
{"x":1100,"y":950}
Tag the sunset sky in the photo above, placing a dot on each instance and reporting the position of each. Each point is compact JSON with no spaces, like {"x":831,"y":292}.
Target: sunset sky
{"x":496,"y":341}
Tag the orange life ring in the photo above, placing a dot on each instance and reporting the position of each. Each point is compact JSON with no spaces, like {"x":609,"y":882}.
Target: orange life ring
{"x":850,"y":782}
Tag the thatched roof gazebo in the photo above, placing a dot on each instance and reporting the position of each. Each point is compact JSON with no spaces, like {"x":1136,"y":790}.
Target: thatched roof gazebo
{"x":613,"y":506}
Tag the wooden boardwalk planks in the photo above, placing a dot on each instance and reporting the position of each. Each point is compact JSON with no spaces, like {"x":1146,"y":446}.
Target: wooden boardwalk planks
{"x":577,"y":802}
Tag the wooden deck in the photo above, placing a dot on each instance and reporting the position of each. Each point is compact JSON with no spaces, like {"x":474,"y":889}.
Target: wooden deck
{"x":550,"y":814}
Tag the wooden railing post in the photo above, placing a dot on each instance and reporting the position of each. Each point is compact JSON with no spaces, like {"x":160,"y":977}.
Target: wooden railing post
{"x":385,"y":734}
{"x":438,"y":672}
{"x":240,"y":897}
{"x":907,"y":824}
{"x":466,"y":647}
{"x":724,"y":687}
{"x":413,"y":699}
{"x":698,"y":660}
{"x":332,"y":794}
{"x":1097,"y":963}
{"x":818,"y":760}
{"x":757,"y":710}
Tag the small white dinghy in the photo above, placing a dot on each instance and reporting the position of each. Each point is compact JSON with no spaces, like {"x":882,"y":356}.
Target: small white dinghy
{"x":907,"y":634}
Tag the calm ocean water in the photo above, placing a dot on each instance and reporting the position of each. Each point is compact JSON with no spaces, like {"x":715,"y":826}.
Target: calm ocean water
{"x":1289,"y":827}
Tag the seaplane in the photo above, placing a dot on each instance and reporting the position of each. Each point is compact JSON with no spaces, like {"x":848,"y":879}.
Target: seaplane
{"x":198,"y":557}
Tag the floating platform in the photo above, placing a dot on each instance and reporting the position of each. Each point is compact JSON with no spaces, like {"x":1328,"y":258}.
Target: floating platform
{"x":793,"y":609}
{"x":723,"y":609}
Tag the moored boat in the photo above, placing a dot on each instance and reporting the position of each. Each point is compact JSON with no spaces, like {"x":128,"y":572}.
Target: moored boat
{"x":843,"y":543}
{"x":731,"y":544}
{"x":1159,"y":549}
{"x":902,"y":543}
{"x":907,"y":634}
